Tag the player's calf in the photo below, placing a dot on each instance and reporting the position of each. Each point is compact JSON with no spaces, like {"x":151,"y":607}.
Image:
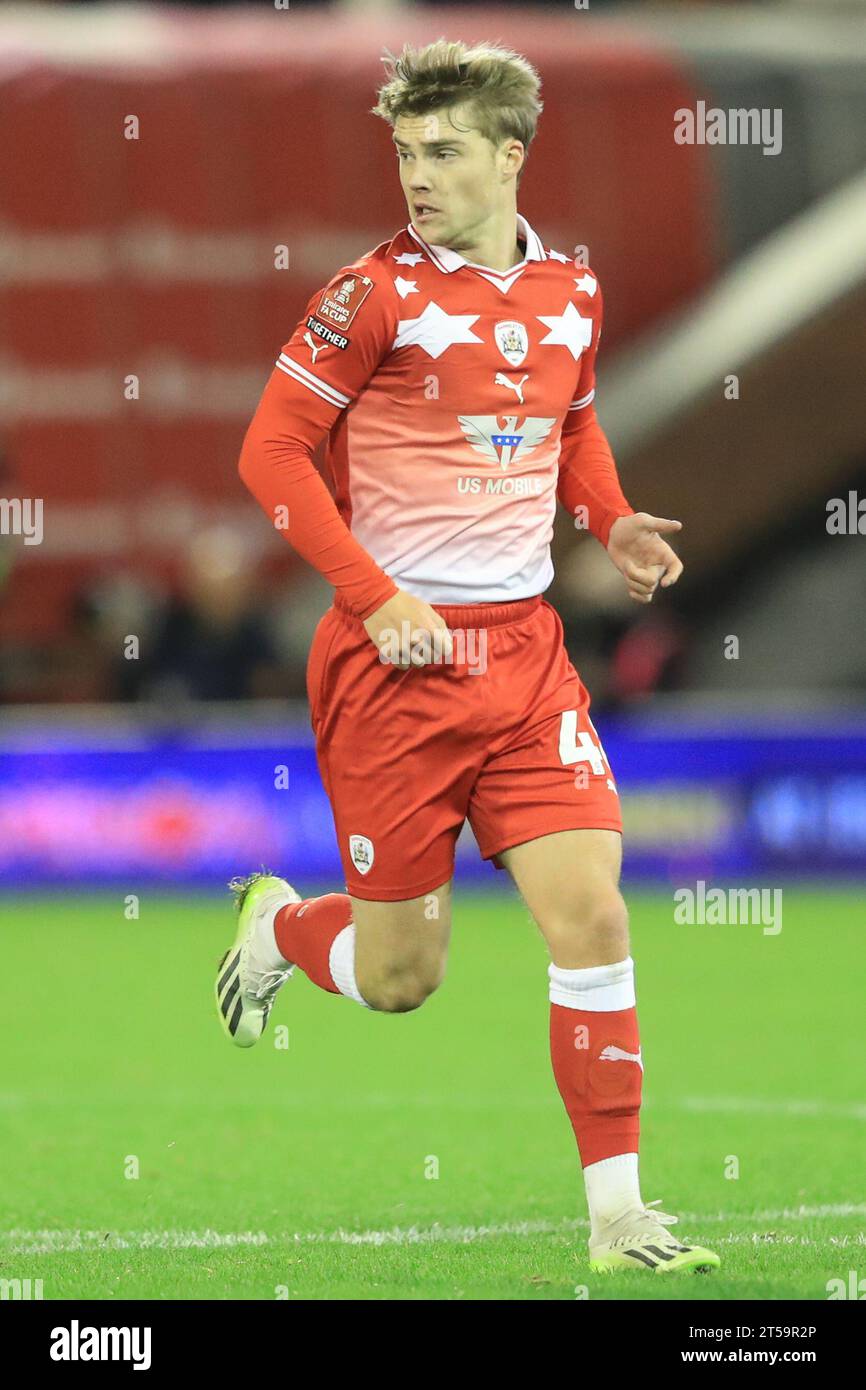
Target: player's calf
{"x":401,"y":964}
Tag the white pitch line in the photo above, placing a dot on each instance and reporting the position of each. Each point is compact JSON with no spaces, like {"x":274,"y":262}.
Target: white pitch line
{"x":48,"y":1242}
{"x":801,"y":1213}
{"x":793,"y":1108}
{"x":748,"y":1105}
{"x":59,"y":1241}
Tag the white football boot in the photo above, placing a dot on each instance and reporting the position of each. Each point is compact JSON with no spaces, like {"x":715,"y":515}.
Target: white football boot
{"x":249,"y":974}
{"x":639,"y":1240}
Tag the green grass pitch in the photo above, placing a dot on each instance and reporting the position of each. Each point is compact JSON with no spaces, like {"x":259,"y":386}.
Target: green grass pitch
{"x":308,"y":1171}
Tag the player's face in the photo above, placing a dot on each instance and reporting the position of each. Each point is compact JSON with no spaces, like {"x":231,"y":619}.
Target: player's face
{"x":454,"y":179}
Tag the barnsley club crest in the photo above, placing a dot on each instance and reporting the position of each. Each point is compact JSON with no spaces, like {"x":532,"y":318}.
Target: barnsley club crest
{"x":362,"y":853}
{"x":504,"y":446}
{"x":512,"y":341}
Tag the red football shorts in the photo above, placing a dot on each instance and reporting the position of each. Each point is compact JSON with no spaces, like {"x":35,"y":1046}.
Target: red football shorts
{"x":501,"y":736}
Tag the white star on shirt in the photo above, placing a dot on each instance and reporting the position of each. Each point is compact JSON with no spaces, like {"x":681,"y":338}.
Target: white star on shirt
{"x":404,"y":287}
{"x":558,"y":256}
{"x":434,"y":331}
{"x":587,"y":283}
{"x":409,"y":258}
{"x":568,"y":329}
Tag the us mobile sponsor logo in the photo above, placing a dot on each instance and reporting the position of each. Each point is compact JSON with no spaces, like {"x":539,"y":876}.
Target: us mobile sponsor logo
{"x":77,"y":1343}
{"x":504,"y":447}
{"x":502,"y":487}
{"x":337,"y":340}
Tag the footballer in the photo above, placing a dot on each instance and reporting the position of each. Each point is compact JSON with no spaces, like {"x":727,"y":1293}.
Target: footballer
{"x":452,"y":372}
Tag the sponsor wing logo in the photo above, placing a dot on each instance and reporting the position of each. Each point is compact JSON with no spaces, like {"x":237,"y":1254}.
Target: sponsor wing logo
{"x":505,"y":446}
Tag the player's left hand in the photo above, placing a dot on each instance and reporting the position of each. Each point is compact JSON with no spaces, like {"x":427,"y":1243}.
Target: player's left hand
{"x":640,"y":554}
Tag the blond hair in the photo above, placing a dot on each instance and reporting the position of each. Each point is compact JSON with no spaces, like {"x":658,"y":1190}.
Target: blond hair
{"x":500,"y":87}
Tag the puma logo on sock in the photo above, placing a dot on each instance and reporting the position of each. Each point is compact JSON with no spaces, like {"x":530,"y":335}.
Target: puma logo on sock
{"x":612,"y":1053}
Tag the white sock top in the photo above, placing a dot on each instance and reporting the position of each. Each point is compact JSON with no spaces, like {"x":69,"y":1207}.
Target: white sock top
{"x":599,"y":988}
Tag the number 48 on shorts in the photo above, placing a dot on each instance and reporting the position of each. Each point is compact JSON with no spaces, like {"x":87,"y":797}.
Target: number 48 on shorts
{"x":583,"y":749}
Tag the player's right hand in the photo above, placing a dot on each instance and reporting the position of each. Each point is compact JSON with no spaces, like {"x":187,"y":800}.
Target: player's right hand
{"x":408,"y":632}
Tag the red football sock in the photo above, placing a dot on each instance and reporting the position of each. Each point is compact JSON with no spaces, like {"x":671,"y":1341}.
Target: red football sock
{"x":305,"y":932}
{"x":595,"y":1054}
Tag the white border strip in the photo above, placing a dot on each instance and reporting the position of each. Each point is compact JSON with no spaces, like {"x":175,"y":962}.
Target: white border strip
{"x":322,"y":388}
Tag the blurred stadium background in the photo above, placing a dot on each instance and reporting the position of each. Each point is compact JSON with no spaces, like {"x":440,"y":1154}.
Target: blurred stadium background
{"x":731,"y":386}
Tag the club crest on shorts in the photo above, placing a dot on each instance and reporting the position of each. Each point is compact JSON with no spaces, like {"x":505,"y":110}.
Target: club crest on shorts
{"x":512,"y":341}
{"x":362,"y":853}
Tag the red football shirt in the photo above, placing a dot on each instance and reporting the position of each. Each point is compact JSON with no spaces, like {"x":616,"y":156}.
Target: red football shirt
{"x":457,"y":401}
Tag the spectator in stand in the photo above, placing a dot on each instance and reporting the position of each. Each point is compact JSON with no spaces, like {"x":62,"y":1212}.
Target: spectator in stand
{"x":212,"y":642}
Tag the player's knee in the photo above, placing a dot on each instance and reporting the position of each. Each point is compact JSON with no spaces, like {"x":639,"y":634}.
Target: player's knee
{"x":595,"y":919}
{"x":608,"y":920}
{"x":401,"y":989}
